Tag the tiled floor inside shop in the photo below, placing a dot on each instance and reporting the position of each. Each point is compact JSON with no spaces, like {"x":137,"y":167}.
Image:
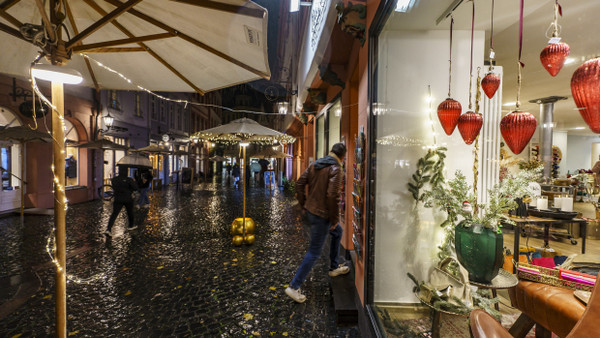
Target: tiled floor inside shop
{"x":415,"y":320}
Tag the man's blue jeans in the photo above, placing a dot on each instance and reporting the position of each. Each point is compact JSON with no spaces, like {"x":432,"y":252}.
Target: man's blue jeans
{"x":319,"y":228}
{"x":144,"y":197}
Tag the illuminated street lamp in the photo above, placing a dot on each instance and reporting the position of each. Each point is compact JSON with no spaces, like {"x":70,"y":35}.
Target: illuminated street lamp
{"x":59,"y":76}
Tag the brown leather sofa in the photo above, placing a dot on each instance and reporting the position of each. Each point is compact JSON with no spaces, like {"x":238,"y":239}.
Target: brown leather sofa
{"x":551,"y":308}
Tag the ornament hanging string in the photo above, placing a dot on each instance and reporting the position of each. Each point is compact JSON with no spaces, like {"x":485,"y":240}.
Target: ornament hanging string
{"x":520,"y":63}
{"x":471,"y":64}
{"x":476,"y":148}
{"x":557,"y":12}
{"x":450,"y":60}
{"x":492,"y":54}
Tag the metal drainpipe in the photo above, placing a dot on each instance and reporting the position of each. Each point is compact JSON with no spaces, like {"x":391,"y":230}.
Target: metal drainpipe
{"x":546,"y":129}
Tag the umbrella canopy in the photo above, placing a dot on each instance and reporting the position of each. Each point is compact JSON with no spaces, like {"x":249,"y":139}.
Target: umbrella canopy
{"x":24,"y":134}
{"x":153,"y":149}
{"x":103,"y":144}
{"x":135,"y":161}
{"x":186,"y":46}
{"x":269,"y":152}
{"x":243,"y":129}
{"x":218,"y":158}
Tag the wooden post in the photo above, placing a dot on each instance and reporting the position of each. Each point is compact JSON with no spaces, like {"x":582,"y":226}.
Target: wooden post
{"x":58,"y":133}
{"x":22,"y":178}
{"x":244,"y":187}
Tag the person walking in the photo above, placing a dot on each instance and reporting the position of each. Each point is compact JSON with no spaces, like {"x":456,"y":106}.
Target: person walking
{"x":123,"y":188}
{"x":324,"y":180}
{"x":145,"y":180}
{"x":236,"y":174}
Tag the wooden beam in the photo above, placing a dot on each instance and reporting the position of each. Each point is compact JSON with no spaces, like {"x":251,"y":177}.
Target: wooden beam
{"x":45,"y":19}
{"x":125,"y":31}
{"x":9,"y":4}
{"x":10,"y":18}
{"x":112,"y":43}
{"x":192,"y":40}
{"x":115,"y":50}
{"x":8,"y":29}
{"x":218,"y":6}
{"x":100,"y":23}
{"x":76,"y":31}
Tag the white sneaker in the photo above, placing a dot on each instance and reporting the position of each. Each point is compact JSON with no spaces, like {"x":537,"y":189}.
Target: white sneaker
{"x":295,"y":295}
{"x":341,"y":270}
{"x":108,"y":233}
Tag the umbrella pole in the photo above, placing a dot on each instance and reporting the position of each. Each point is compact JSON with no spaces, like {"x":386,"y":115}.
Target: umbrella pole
{"x":244,"y":187}
{"x":58,"y":133}
{"x":22,"y":177}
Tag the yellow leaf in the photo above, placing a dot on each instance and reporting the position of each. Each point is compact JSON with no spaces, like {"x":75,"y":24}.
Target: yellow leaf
{"x":47,"y":296}
{"x":213,"y":290}
{"x":179,"y":286}
{"x":188,"y":278}
{"x":17,"y":335}
{"x":127,"y":293}
{"x":160,"y":267}
{"x":215,"y":277}
{"x":286,"y":285}
{"x":226,"y":263}
{"x":125,"y":269}
{"x":248,"y":316}
{"x":171,"y":270}
{"x":272,"y":288}
{"x":235,"y":259}
{"x":274,"y":296}
{"x":273,"y":262}
{"x":256,"y":333}
{"x":73,"y":333}
{"x":285,"y":334}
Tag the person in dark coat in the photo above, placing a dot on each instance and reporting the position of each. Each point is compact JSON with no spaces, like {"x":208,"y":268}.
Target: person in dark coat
{"x":236,"y":174}
{"x":144,"y":181}
{"x":123,"y":188}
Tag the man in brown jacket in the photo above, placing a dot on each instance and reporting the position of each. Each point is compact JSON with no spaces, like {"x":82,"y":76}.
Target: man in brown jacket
{"x":324,"y":179}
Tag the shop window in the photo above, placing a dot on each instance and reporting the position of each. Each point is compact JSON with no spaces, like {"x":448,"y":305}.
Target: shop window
{"x":138,"y":105}
{"x":320,"y":137}
{"x":153,"y":107}
{"x":72,"y":155}
{"x":114,"y":100}
{"x":334,"y":116}
{"x":112,"y":157}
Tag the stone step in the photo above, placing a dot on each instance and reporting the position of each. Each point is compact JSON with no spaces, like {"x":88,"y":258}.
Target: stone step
{"x":342,"y":288}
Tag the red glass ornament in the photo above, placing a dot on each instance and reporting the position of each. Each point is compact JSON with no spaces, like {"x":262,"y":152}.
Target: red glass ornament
{"x":585,"y":87}
{"x":469,"y":125}
{"x":490,"y":84}
{"x":553,"y":57}
{"x":517,"y":128}
{"x":448,"y":113}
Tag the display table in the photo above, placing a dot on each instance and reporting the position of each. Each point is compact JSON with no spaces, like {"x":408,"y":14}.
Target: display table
{"x":547,"y":223}
{"x":504,"y":280}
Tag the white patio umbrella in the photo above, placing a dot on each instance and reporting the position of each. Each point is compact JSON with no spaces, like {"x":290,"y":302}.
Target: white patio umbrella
{"x":244,"y":131}
{"x":189,"y":46}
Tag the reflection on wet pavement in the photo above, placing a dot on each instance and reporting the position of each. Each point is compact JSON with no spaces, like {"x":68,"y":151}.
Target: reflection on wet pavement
{"x":176,"y":275}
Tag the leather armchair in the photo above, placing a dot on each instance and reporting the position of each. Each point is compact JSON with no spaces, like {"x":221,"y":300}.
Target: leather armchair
{"x":483,"y":325}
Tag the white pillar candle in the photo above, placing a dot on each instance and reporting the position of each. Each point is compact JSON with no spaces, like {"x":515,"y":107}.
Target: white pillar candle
{"x":557,"y":201}
{"x":567,"y":204}
{"x":542,"y":203}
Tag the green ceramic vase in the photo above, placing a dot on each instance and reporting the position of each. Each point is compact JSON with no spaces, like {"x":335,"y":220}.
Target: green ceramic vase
{"x":479,"y":250}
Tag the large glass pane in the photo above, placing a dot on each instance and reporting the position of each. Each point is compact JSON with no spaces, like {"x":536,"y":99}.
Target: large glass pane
{"x":334,"y":116}
{"x":320,"y":137}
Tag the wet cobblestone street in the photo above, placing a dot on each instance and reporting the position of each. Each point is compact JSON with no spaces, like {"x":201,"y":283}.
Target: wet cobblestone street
{"x":176,"y":275}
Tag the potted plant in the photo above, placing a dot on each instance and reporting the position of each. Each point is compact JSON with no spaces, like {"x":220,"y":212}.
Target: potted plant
{"x":474,"y":232}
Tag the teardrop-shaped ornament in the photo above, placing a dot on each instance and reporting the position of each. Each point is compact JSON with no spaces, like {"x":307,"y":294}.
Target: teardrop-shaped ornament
{"x":490,"y":84}
{"x":585,"y":87}
{"x":553,"y":57}
{"x":448,"y":113}
{"x":517,"y":128}
{"x":469,"y":125}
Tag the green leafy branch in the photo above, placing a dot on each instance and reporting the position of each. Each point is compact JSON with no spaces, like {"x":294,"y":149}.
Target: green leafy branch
{"x":430,"y":170}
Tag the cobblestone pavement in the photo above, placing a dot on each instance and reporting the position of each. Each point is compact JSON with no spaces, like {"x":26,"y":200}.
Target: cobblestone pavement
{"x":176,"y":275}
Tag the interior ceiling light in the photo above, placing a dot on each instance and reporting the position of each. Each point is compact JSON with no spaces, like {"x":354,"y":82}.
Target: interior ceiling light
{"x":509,"y":104}
{"x":405,"y":6}
{"x":579,"y":128}
{"x":569,"y":61}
